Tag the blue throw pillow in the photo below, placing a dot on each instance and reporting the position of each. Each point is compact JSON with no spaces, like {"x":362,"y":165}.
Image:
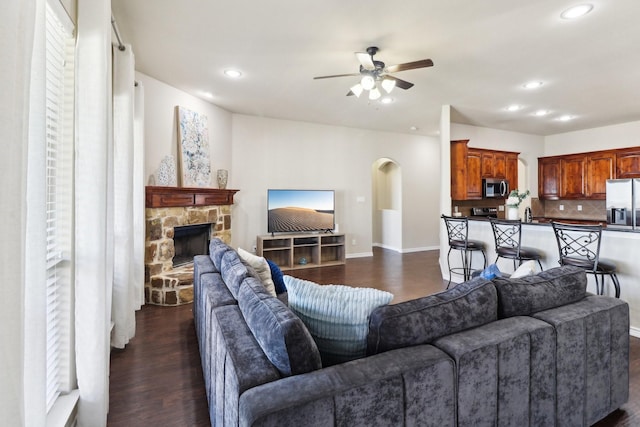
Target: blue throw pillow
{"x":337,"y":316}
{"x":277,"y":277}
{"x":491,"y":272}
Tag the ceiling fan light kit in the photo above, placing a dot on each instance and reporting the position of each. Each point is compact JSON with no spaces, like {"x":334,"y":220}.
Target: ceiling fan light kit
{"x":375,"y":73}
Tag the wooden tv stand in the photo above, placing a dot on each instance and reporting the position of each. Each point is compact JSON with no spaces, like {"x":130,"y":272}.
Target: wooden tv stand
{"x":288,"y":250}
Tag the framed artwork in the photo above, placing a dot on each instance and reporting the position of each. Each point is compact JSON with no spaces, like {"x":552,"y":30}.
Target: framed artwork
{"x":193,"y":148}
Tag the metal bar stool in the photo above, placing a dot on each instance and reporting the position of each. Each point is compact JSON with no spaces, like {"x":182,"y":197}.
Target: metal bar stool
{"x":579,"y":245}
{"x":458,"y":232}
{"x":508,"y":237}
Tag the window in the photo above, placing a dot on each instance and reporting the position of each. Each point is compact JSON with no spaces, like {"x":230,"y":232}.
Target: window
{"x":59,"y":84}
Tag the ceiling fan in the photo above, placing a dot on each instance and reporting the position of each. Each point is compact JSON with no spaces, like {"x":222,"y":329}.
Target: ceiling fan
{"x":374,"y":73}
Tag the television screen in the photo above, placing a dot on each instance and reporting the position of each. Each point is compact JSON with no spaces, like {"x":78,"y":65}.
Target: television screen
{"x":300,"y":210}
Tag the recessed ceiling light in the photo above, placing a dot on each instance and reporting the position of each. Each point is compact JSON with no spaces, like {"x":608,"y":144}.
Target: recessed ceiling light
{"x":565,"y":118}
{"x":532,"y":85}
{"x":207,"y":95}
{"x":234,"y":74}
{"x":541,"y":113}
{"x":576,"y":11}
{"x":513,"y":107}
{"x":386,"y":100}
{"x":413,"y":128}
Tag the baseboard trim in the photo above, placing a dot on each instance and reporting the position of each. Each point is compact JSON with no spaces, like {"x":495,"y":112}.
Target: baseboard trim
{"x":408,"y":250}
{"x":359,"y":255}
{"x":634,"y":332}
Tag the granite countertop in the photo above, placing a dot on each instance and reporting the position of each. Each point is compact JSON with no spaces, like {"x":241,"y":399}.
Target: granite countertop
{"x":546,"y":221}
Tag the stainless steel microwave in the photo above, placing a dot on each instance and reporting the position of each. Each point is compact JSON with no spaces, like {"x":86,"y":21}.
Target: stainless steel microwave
{"x":494,"y":188}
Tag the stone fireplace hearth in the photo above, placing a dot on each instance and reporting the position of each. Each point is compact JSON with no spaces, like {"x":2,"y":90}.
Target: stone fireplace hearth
{"x":167,"y":209}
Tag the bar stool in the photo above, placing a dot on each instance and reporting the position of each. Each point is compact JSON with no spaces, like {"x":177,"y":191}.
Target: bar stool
{"x":579,"y":245}
{"x":508,"y":237}
{"x":458,"y":233}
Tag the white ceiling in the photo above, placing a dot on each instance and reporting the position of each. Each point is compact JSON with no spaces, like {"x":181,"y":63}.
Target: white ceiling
{"x":484,"y":51}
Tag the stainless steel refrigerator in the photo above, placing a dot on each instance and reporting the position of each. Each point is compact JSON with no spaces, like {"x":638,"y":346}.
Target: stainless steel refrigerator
{"x":623,"y":203}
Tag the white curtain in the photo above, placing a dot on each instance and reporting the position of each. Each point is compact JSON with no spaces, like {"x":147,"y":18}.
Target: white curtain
{"x":139,"y":220}
{"x":93,"y":210}
{"x":16,"y":45}
{"x":126,"y":280}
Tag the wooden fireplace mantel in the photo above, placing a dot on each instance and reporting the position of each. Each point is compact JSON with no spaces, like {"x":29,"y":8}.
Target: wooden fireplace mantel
{"x":164,"y":197}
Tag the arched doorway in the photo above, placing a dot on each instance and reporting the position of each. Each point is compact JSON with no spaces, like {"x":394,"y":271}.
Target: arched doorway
{"x":387,"y":204}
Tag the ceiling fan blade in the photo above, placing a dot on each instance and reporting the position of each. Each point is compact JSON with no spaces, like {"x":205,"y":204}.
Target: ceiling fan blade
{"x":365,"y":59}
{"x":402,"y":84}
{"x":337,"y":75}
{"x":410,"y":66}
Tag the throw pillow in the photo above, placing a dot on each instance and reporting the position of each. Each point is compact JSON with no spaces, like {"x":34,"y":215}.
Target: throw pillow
{"x":261,"y":267}
{"x":491,"y":272}
{"x":526,"y":269}
{"x":337,"y":316}
{"x":547,"y":289}
{"x":278,"y":277}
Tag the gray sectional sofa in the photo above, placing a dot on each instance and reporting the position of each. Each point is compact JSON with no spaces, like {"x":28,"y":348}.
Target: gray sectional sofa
{"x":535,"y":351}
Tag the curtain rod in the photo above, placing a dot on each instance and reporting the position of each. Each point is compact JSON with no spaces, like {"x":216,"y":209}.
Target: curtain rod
{"x":114,"y":25}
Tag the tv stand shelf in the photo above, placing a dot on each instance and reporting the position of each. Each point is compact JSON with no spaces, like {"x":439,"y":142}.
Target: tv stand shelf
{"x":290,"y":251}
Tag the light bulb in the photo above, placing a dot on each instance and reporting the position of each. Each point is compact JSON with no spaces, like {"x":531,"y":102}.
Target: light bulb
{"x":374,"y":94}
{"x":388,"y":85}
{"x":357,"y":90}
{"x":368,"y":82}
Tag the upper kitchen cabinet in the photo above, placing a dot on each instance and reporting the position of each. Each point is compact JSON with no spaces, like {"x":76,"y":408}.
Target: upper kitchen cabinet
{"x":628,"y":163}
{"x":584,"y":175}
{"x":600,"y":168}
{"x":549,"y":178}
{"x":573,"y":177}
{"x":470,"y":165}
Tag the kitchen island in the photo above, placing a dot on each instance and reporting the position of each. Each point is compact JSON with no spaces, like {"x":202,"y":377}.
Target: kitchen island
{"x":620,"y":246}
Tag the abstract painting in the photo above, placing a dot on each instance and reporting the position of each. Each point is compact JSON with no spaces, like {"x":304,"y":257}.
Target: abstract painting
{"x":193,"y":141}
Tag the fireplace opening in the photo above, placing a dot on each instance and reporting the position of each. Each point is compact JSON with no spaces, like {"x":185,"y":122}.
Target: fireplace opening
{"x":188,"y":241}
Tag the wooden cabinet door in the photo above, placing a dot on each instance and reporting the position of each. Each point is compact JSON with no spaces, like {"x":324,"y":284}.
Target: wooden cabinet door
{"x":572,"y":177}
{"x":511,"y":170}
{"x":474,"y":179}
{"x":549,"y":178}
{"x":459,"y":170}
{"x":487,"y":164}
{"x":600,"y":168}
{"x":500,"y":165}
{"x":628,"y":163}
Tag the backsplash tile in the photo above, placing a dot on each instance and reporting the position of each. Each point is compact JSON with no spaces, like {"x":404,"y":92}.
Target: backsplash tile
{"x":591,"y":209}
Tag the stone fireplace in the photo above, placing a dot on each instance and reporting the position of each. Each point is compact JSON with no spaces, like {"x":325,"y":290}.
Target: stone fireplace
{"x":179,"y":224}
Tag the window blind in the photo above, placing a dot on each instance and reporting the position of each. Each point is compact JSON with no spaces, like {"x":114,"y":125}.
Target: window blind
{"x":59,"y":189}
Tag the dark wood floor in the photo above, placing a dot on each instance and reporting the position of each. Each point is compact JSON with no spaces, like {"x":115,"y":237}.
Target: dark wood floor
{"x":157,"y":379}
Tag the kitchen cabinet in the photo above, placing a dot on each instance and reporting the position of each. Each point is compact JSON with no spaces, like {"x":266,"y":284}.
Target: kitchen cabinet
{"x":470,"y":165}
{"x":549,"y":178}
{"x":600,"y":168}
{"x":628,"y":163}
{"x":584,"y":175}
{"x":473,"y":179}
{"x":511,"y":169}
{"x":572,"y":177}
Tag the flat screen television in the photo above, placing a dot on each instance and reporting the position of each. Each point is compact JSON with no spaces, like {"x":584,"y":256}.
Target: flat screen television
{"x":290,"y":211}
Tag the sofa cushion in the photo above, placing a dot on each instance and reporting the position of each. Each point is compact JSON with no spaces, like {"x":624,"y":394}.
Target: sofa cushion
{"x":261,"y":268}
{"x":337,"y":316}
{"x":217,"y":248}
{"x":281,"y":334}
{"x":423,"y":320}
{"x":233,"y":271}
{"x":547,"y":289}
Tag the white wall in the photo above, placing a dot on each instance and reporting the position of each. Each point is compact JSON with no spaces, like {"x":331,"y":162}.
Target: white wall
{"x":603,"y":138}
{"x":529,"y":146}
{"x":161,"y":134}
{"x":271,"y":153}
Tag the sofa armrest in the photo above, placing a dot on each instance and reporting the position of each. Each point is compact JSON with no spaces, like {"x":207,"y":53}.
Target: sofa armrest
{"x":412,"y":386}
